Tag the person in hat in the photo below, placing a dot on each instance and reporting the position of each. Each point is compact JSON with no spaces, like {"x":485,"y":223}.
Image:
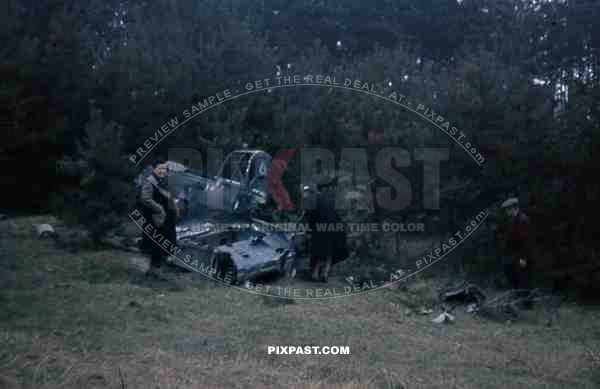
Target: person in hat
{"x":516,"y":241}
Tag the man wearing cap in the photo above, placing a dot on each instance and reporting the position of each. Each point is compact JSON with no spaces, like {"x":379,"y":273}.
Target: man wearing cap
{"x":516,"y":240}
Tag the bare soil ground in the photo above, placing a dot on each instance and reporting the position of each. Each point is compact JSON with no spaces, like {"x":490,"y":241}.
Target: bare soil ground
{"x":90,"y":320}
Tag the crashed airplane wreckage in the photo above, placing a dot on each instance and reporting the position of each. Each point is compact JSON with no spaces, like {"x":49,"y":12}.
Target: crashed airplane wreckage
{"x":230,"y":242}
{"x":238,"y":255}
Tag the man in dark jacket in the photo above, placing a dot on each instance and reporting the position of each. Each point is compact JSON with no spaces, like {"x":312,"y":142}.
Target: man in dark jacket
{"x":516,"y":239}
{"x":328,"y":235}
{"x":155,"y":202}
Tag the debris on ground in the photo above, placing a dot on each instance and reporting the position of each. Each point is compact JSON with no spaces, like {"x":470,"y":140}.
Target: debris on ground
{"x":44,"y":231}
{"x":443,"y":318}
{"x":511,"y":304}
{"x":353,"y":280}
{"x":425,"y":311}
{"x":472,"y":308}
{"x":463,"y":293}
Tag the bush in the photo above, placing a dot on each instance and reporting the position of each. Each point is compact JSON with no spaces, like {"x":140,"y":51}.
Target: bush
{"x":105,"y":194}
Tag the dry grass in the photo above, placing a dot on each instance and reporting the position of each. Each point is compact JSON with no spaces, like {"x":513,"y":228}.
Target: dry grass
{"x":83,"y":321}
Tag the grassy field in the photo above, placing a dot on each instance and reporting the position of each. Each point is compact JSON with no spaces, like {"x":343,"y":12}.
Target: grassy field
{"x":90,"y":320}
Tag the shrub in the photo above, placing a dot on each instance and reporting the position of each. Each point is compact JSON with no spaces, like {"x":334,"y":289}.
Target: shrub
{"x":105,"y":193}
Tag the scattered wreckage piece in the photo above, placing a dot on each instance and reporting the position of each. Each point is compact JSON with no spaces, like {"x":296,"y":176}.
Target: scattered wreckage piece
{"x":44,"y":230}
{"x":510,"y":304}
{"x":464,"y":293}
{"x":444,"y":318}
{"x":425,"y":311}
{"x":62,"y":235}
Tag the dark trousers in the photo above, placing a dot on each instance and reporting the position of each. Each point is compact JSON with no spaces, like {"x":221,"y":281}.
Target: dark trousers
{"x":518,"y":277}
{"x":320,"y":265}
{"x":323,"y":251}
{"x":149,"y":245}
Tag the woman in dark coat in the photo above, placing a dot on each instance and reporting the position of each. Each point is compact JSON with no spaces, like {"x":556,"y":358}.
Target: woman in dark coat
{"x":328,"y":247}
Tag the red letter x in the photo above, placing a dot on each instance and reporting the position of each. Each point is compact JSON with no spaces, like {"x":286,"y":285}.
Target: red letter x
{"x":272,"y":179}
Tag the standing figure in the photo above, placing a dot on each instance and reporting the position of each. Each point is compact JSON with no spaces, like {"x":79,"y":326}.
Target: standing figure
{"x":156,"y":205}
{"x":516,"y":240}
{"x":328,"y":234}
